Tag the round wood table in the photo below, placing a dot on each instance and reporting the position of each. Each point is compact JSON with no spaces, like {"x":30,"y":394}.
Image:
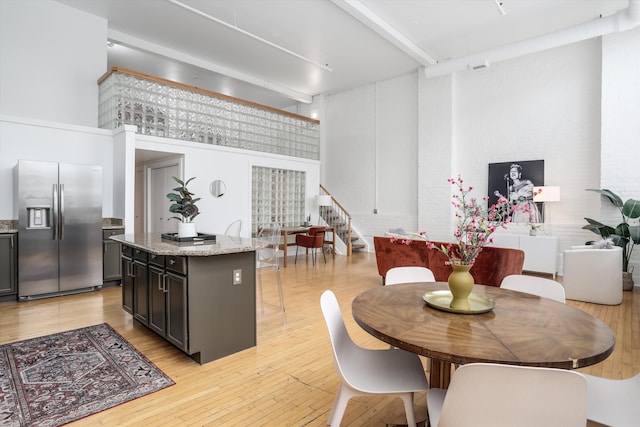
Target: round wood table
{"x":522,"y":329}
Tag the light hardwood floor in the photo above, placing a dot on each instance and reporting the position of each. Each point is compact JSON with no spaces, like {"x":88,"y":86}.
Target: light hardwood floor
{"x":288,"y":379}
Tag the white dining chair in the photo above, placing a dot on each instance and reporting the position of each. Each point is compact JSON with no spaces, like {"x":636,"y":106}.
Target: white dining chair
{"x":267,"y":258}
{"x":408,"y":274}
{"x":593,"y":275}
{"x":234,"y":228}
{"x":493,"y":395}
{"x":365,"y":372}
{"x":614,"y":402}
{"x":539,"y":286}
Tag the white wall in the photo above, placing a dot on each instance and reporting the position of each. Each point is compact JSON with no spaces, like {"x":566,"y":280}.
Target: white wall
{"x":41,"y":140}
{"x":541,"y":106}
{"x":436,"y":152}
{"x":115,"y":152}
{"x":370,"y":153}
{"x":388,"y":146}
{"x":51,"y":57}
{"x":557,"y":105}
{"x":233,"y":166}
{"x":621,"y":124}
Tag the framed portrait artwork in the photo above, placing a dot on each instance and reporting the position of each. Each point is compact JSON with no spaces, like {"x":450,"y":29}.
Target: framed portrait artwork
{"x":515,"y":181}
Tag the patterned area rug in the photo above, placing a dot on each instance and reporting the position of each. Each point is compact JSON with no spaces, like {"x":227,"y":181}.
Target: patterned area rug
{"x":59,"y":378}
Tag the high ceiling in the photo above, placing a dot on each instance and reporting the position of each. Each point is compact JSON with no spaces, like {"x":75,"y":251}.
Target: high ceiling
{"x":323,"y":46}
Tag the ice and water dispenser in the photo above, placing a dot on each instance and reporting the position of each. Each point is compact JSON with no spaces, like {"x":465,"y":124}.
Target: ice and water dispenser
{"x":38,"y":213}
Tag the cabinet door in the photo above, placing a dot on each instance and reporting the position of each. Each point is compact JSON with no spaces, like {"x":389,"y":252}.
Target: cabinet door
{"x":540,"y":253}
{"x":127,"y":285}
{"x":140,"y":292}
{"x":8,"y":280}
{"x":157,"y":305}
{"x":112,"y":253}
{"x":176,"y":287}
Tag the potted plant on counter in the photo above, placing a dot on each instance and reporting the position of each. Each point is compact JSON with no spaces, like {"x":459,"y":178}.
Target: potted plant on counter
{"x":625,"y":234}
{"x":185,"y":205}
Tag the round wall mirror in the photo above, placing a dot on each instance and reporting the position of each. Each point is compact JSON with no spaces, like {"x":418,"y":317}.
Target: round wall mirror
{"x":217,"y":188}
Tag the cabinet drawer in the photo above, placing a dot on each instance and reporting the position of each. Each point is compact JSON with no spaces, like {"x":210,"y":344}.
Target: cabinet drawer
{"x":127,"y":251}
{"x":177,"y":264}
{"x":108,"y":233}
{"x":140,"y":255}
{"x":157,"y":260}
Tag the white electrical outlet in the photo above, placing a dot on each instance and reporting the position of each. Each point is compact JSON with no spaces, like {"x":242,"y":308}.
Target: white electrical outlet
{"x":237,"y":277}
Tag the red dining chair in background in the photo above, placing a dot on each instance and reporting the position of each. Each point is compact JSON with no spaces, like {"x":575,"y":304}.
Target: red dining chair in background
{"x":313,"y":240}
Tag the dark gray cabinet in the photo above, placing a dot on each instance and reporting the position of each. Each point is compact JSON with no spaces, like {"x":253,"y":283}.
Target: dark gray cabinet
{"x":191,"y":301}
{"x":135,"y":283}
{"x":176,"y":302}
{"x":8,"y":265}
{"x":127,"y":279}
{"x":168,"y":299}
{"x":140,"y":292}
{"x":140,"y":286}
{"x":111,"y":257}
{"x":157,"y":298}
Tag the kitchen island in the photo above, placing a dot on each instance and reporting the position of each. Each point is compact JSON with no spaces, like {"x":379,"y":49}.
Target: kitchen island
{"x":199,"y":297}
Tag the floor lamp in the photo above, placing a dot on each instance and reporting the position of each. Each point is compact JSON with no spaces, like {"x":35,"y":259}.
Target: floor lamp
{"x":322,"y":200}
{"x":546,"y":194}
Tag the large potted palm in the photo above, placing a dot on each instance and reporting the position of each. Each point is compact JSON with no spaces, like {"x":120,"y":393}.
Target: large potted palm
{"x":184,"y":204}
{"x":626,"y":234}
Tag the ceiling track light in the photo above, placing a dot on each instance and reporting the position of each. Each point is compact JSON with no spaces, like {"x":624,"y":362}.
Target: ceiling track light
{"x":501,"y":8}
{"x":248,"y":34}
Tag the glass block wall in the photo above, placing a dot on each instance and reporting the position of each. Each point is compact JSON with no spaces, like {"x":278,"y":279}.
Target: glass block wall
{"x":277,"y":196}
{"x":163,"y":108}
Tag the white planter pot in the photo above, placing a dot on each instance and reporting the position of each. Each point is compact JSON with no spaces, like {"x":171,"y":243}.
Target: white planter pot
{"x":187,"y":229}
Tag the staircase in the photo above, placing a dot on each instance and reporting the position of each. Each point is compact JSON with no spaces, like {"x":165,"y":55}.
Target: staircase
{"x":337,"y":217}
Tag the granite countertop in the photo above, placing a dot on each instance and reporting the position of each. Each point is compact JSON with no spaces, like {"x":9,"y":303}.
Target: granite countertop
{"x":11,"y":225}
{"x":153,"y":243}
{"x":8,"y":226}
{"x":112,"y":223}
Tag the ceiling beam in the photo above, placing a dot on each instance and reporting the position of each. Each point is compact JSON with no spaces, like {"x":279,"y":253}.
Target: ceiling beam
{"x":147,"y":46}
{"x":365,"y":15}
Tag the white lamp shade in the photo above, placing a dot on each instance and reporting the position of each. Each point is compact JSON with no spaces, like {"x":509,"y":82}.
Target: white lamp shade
{"x":548,"y":193}
{"x":323,"y":200}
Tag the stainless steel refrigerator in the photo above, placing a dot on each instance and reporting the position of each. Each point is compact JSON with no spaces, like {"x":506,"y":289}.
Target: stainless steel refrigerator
{"x":60,"y":227}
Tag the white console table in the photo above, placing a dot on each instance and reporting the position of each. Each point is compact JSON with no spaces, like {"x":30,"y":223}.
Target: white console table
{"x":540,"y":252}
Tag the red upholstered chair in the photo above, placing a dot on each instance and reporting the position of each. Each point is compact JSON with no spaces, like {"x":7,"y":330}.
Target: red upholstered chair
{"x":313,"y":240}
{"x":492,"y":265}
{"x":391,"y":254}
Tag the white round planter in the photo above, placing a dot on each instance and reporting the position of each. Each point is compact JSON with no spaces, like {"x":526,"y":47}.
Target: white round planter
{"x":187,"y":229}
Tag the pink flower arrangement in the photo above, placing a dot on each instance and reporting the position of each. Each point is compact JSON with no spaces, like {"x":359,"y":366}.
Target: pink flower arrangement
{"x":474,"y":225}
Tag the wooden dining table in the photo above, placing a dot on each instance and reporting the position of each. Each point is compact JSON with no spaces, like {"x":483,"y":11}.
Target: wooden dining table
{"x":522,"y":329}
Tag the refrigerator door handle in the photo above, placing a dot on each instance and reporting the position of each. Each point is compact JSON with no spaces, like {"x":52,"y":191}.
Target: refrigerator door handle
{"x":61,"y":211}
{"x":54,"y":212}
